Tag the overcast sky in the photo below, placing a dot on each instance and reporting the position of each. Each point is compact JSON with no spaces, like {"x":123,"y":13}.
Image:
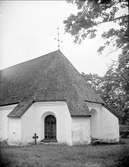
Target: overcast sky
{"x":28,"y":29}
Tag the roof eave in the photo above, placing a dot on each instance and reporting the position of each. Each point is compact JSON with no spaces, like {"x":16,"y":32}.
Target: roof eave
{"x":7,"y":104}
{"x":13,"y":116}
{"x":110,"y":109}
{"x":95,"y":102}
{"x":80,"y":115}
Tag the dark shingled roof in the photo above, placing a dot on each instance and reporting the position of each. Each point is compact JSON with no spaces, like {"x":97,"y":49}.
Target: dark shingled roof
{"x":48,"y":78}
{"x":21,"y":108}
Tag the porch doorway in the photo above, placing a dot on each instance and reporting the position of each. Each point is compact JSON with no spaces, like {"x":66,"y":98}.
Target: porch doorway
{"x":50,"y":128}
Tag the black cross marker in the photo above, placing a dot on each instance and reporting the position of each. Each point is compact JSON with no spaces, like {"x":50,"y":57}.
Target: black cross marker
{"x":35,"y":137}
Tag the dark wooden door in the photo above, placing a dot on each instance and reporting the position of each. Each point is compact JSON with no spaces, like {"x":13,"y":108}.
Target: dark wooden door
{"x":50,"y":127}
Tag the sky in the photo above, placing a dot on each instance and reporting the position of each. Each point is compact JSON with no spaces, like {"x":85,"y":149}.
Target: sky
{"x":28,"y":29}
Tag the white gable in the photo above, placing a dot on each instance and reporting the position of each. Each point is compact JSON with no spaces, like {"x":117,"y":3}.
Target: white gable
{"x":4,"y":111}
{"x":104,"y":124}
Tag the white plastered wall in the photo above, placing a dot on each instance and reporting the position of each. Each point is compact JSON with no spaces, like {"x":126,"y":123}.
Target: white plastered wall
{"x":14,"y":131}
{"x":33,"y":121}
{"x":81,"y":130}
{"x":104,"y":124}
{"x":4,"y":120}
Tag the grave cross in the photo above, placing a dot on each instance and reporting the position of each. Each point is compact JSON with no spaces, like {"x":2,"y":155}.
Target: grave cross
{"x":35,"y":137}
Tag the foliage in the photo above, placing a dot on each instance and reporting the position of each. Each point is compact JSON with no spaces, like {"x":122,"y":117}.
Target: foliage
{"x":113,"y":88}
{"x":123,"y":71}
{"x":92,"y":13}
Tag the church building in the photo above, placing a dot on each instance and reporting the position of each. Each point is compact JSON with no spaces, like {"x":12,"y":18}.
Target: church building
{"x":49,"y":97}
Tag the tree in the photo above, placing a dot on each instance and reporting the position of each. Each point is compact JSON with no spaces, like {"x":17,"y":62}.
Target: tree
{"x":92,"y":13}
{"x":114,"y":86}
{"x":123,"y":71}
{"x":113,"y":90}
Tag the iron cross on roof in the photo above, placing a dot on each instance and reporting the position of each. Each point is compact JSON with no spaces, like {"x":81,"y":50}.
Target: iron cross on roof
{"x":58,"y":39}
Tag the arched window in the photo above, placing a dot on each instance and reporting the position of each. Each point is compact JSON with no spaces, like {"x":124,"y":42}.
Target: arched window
{"x":50,"y":127}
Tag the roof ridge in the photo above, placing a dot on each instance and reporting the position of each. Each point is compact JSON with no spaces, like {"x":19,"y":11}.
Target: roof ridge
{"x":33,"y":59}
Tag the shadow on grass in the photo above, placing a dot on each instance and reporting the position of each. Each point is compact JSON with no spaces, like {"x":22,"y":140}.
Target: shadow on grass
{"x":4,"y":162}
{"x":123,"y":161}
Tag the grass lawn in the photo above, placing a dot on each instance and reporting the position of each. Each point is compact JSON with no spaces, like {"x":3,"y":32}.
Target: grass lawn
{"x":53,"y":155}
